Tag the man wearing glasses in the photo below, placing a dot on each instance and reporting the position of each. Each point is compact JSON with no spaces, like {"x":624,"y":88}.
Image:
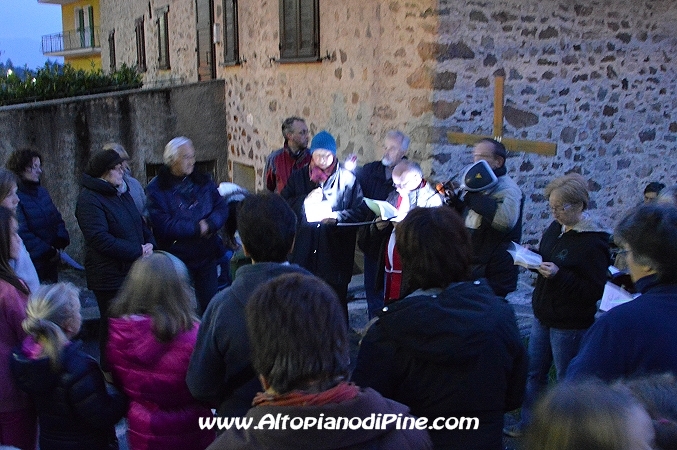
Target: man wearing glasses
{"x":291,"y":157}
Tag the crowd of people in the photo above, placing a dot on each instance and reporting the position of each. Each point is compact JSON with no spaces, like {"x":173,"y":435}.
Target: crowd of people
{"x":442,"y":342}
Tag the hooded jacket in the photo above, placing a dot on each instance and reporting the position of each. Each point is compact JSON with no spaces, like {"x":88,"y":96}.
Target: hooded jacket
{"x":176,"y":206}
{"x":367,"y":403}
{"x":568,"y":300}
{"x":220,"y":371}
{"x":114,"y":233}
{"x":162,"y":414}
{"x":76,"y":409}
{"x":452,"y":352}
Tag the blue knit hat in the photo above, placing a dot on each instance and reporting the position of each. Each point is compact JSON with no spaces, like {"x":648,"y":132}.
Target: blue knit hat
{"x":323,"y":140}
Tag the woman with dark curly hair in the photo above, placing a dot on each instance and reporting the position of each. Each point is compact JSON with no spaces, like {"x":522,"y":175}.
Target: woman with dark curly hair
{"x":40,"y":224}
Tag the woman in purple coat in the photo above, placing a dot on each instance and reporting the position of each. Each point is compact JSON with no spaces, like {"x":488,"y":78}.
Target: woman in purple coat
{"x":152,"y":333}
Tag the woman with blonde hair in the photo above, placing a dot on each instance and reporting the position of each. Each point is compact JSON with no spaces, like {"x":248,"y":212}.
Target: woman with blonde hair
{"x":571,"y":278}
{"x":76,"y":409}
{"x":153,"y":330}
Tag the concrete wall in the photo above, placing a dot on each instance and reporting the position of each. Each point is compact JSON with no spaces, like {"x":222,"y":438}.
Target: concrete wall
{"x":598,"y":78}
{"x":66,"y":132}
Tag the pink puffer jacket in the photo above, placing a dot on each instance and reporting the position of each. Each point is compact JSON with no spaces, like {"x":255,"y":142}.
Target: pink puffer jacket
{"x":162,"y":414}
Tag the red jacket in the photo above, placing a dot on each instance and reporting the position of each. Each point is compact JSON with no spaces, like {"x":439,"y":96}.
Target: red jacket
{"x":281,"y":164}
{"x":162,"y":413}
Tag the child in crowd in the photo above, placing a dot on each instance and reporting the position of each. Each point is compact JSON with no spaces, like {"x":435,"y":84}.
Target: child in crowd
{"x":18,"y":423}
{"x":152,"y":333}
{"x":76,"y":409}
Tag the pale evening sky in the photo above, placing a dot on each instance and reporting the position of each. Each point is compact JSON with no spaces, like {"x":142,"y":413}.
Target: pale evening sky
{"x":22,"y":25}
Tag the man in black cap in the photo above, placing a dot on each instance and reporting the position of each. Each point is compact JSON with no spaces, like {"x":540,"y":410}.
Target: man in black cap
{"x":494,"y":218}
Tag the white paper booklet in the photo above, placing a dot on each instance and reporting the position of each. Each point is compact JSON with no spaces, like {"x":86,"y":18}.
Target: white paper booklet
{"x":614,"y":296}
{"x":382,"y":209}
{"x":316,"y":211}
{"x":524,"y":257}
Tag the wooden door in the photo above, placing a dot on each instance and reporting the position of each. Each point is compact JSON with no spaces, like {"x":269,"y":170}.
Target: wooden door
{"x":206,"y":64}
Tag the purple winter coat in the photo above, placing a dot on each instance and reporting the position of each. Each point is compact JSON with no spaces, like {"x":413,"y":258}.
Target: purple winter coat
{"x":162,"y":413}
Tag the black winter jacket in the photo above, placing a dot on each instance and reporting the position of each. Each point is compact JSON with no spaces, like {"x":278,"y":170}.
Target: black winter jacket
{"x":375,"y":185}
{"x":453,"y":352}
{"x":76,"y":409}
{"x":176,"y":206}
{"x":568,"y":300}
{"x":327,"y":251}
{"x":40,"y":224}
{"x":113,"y":230}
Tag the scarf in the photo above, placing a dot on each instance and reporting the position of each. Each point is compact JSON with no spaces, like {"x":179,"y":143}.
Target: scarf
{"x":340,"y":393}
{"x":318,"y":175}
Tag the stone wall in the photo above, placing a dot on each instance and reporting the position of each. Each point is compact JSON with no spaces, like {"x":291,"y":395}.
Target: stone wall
{"x":598,"y":78}
{"x":66,"y":132}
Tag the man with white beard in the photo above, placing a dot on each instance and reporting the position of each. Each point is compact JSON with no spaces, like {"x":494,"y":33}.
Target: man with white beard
{"x":376,"y":180}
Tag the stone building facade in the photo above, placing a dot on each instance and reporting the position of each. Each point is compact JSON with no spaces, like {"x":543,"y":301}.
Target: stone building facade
{"x":598,"y":78}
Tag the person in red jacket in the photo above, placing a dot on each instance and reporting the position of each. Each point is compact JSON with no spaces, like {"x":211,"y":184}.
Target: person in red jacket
{"x":291,"y":157}
{"x":153,"y":330}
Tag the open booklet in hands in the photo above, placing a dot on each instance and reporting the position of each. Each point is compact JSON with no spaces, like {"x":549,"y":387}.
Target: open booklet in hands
{"x":383,"y":209}
{"x":524,"y":257}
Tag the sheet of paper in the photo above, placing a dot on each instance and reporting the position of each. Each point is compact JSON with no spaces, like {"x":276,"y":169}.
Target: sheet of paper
{"x":614,"y":296}
{"x":315,"y":212}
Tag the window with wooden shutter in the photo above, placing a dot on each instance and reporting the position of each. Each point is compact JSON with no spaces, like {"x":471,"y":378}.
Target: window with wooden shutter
{"x":140,"y":44}
{"x":163,"y":38}
{"x":231,"y":45}
{"x":111,"y":50}
{"x":299,"y":30}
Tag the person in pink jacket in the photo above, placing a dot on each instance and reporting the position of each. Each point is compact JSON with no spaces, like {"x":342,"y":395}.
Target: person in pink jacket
{"x":152,"y":333}
{"x":18,"y":420}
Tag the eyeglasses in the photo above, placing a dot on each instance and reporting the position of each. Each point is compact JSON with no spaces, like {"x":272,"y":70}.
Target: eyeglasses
{"x":559,"y":209}
{"x":405,"y":183}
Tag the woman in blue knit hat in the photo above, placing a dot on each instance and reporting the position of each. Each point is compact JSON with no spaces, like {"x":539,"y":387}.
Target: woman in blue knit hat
{"x":323,"y":195}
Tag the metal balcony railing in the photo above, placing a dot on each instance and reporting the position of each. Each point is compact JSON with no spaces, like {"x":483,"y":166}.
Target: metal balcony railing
{"x":71,"y":41}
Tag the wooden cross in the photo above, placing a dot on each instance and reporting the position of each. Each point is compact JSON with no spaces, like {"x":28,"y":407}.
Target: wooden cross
{"x":515,"y":145}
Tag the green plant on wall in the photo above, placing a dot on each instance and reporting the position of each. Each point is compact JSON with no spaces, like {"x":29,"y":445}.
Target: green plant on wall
{"x":55,"y":81}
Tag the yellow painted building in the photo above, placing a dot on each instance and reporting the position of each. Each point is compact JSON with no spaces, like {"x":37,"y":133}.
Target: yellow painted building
{"x":79,"y":41}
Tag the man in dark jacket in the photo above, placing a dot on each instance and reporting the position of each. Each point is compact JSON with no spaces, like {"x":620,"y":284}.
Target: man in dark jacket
{"x":376,"y":181}
{"x":220,"y":370}
{"x":322,"y":195}
{"x":451,"y":348}
{"x":187,"y":211}
{"x":40,"y":224}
